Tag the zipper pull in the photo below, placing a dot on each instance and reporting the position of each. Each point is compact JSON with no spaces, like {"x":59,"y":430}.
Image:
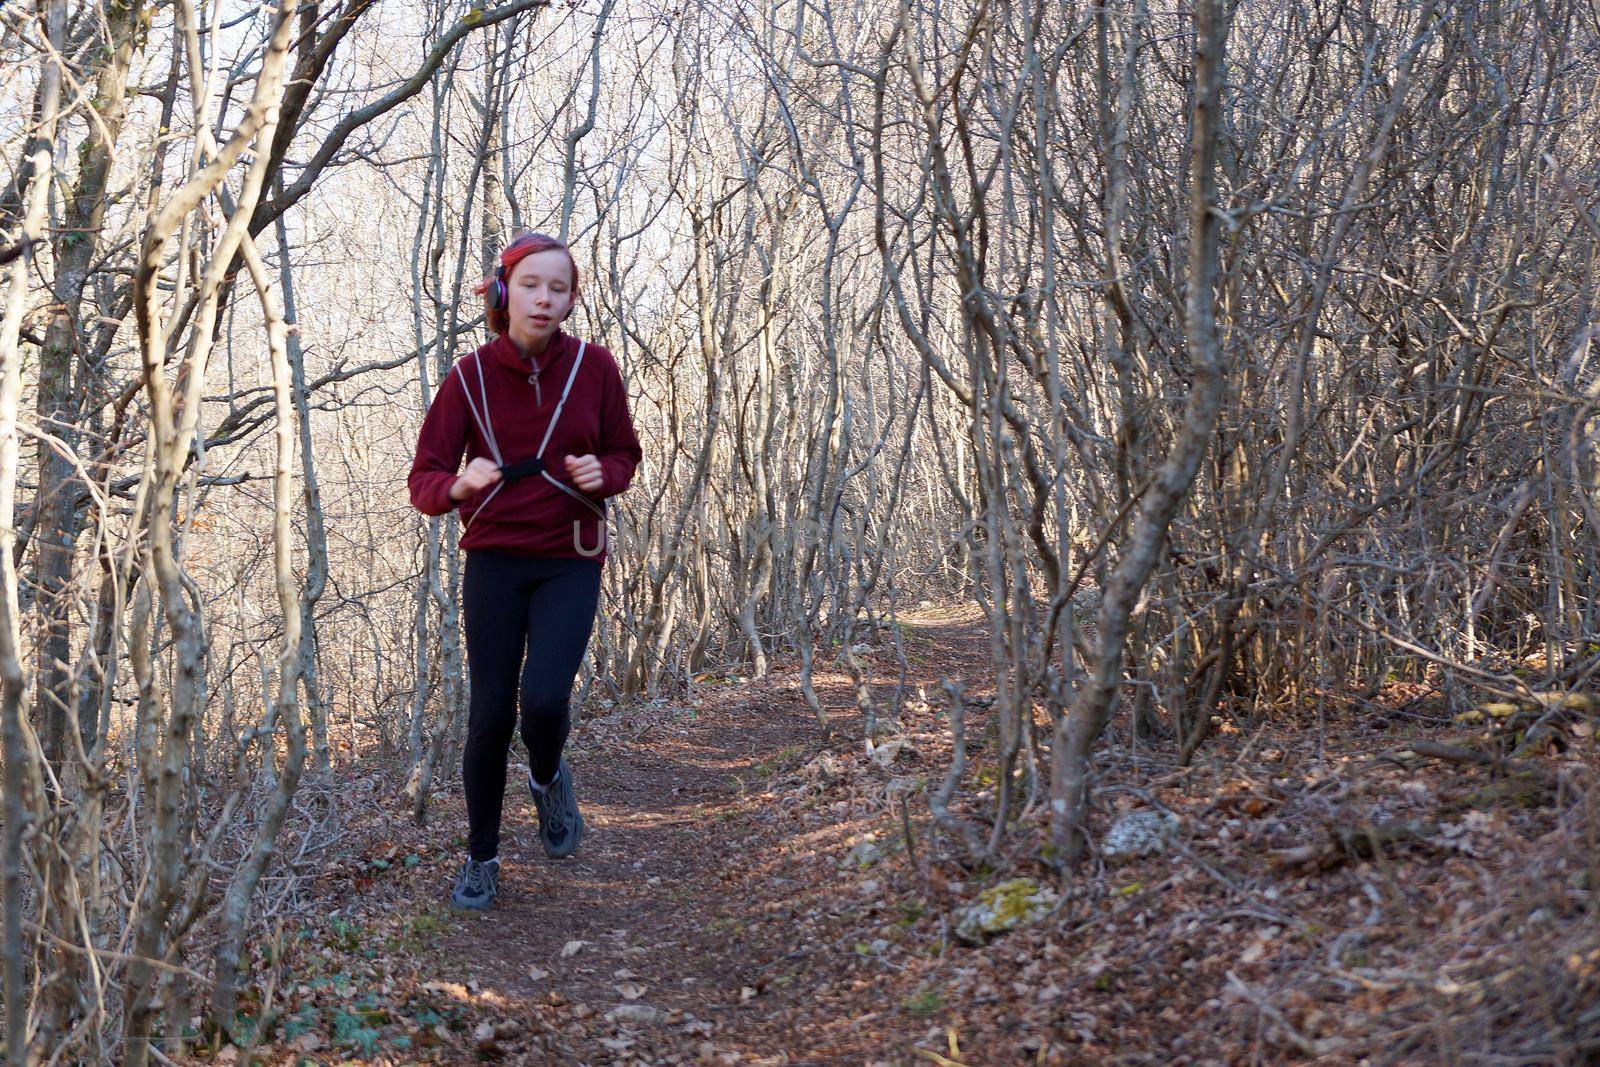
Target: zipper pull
{"x":533,"y":380}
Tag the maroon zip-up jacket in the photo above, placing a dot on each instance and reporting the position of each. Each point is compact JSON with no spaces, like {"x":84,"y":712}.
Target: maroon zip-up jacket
{"x":528,"y":516}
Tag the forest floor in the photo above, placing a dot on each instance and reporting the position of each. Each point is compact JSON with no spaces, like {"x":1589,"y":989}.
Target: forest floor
{"x":744,"y":895}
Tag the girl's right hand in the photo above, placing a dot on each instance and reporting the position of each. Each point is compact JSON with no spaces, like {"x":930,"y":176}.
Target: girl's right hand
{"x":479,"y":475}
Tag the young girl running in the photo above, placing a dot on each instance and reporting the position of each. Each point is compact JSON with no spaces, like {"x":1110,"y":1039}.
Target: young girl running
{"x":543,"y":420}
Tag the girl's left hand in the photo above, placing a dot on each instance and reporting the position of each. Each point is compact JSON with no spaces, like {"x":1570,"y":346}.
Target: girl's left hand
{"x":586,"y":472}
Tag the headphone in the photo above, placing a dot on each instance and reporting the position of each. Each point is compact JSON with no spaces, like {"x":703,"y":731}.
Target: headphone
{"x":496,"y":296}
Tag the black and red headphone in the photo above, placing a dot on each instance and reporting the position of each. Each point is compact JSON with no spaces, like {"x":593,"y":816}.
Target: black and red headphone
{"x":496,"y":295}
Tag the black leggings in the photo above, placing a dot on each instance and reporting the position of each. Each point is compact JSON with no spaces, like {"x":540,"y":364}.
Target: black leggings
{"x":516,"y":605}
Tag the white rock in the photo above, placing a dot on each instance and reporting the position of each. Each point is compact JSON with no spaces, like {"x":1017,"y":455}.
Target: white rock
{"x":863,"y":855}
{"x":1139,"y":833}
{"x":1003,"y":907}
{"x":633,"y":1015}
{"x":889,"y":751}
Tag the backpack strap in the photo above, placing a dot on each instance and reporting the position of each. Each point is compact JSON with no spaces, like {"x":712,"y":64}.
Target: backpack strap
{"x":485,"y":427}
{"x":526,"y":468}
{"x":548,"y":430}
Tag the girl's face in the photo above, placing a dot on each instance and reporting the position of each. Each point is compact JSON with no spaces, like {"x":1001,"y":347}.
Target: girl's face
{"x":539,"y":297}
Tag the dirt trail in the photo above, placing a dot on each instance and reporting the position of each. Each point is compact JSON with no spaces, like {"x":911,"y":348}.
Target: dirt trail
{"x":699,"y":916}
{"x":655,"y":901}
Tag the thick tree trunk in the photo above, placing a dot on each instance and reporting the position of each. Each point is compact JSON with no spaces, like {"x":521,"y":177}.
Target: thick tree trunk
{"x":20,"y":770}
{"x":66,"y":378}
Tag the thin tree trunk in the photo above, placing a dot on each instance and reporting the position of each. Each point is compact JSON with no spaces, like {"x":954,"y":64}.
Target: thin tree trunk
{"x":316,"y":530}
{"x":236,"y":903}
{"x":1077,"y":731}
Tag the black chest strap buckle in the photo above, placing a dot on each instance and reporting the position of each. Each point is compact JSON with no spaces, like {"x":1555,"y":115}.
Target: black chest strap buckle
{"x":526,"y":468}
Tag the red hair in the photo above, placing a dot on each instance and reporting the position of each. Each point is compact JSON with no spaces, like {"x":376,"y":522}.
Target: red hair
{"x":524,"y":244}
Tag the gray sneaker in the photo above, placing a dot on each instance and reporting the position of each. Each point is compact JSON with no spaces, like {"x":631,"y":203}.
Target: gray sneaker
{"x":476,"y":885}
{"x":560,"y":822}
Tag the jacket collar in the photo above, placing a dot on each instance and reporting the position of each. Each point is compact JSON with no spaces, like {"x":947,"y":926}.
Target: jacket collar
{"x":505,"y":352}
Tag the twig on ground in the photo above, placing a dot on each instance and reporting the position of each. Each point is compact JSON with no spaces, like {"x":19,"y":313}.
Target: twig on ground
{"x":1293,"y":1036}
